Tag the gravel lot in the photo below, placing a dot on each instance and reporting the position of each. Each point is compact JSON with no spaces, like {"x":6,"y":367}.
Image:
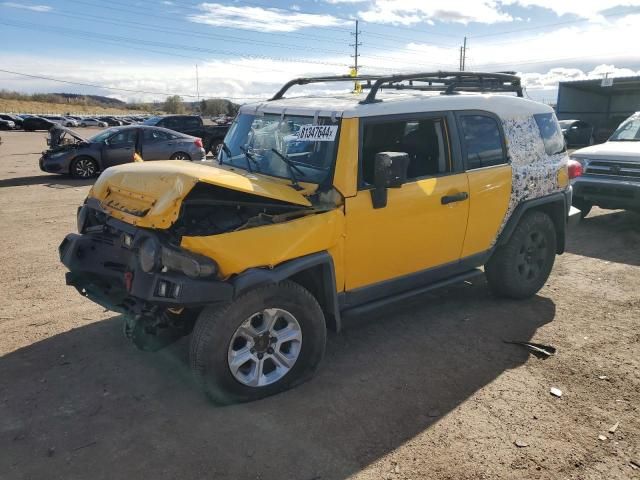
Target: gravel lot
{"x":428,"y":390}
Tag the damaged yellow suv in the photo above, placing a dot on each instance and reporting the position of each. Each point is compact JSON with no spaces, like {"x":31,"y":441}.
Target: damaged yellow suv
{"x":319,"y":208}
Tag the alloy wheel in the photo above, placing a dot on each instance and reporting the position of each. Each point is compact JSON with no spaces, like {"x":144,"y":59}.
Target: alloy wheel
{"x":84,"y":168}
{"x":265,"y":347}
{"x":532,"y":255}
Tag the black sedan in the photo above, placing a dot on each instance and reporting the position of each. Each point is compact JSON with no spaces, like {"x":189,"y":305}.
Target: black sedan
{"x":577,"y":133}
{"x":30,"y":124}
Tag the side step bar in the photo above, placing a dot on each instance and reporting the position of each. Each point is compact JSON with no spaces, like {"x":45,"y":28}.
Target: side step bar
{"x":371,"y":307}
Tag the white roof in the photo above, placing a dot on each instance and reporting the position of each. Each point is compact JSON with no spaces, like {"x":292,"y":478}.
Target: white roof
{"x":348,"y":105}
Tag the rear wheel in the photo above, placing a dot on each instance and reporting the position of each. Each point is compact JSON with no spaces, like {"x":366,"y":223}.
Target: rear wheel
{"x":180,"y":156}
{"x":520,"y":268}
{"x":84,"y":167}
{"x":267,"y":341}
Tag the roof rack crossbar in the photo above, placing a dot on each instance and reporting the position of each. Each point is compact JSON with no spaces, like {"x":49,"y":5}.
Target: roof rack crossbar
{"x":337,"y":78}
{"x":449,"y":82}
{"x":446,"y":82}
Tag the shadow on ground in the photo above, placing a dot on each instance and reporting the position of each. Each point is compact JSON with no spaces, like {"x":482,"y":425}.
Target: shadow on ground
{"x":612,"y":236}
{"x":52,"y":181}
{"x":86,"y":404}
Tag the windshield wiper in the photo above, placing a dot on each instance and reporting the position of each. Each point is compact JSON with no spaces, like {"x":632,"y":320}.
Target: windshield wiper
{"x":290,"y":168}
{"x":250,"y":158}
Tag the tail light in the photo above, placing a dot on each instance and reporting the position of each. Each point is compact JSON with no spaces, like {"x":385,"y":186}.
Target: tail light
{"x":575,"y":168}
{"x":198,"y":143}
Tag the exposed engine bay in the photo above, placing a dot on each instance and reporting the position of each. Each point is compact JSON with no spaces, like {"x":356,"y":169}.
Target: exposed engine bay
{"x":211,"y":210}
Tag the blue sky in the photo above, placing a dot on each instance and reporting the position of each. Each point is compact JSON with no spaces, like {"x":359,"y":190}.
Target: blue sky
{"x":246,"y":49}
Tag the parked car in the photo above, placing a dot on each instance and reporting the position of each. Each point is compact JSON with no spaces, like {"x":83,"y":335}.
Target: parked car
{"x":64,"y":121}
{"x":32,"y":123}
{"x":12,"y":118}
{"x":577,"y":133}
{"x":111,"y":121}
{"x":611,"y":171}
{"x":388,"y":196}
{"x":7,"y":124}
{"x":84,"y":158}
{"x":92,"y":122}
{"x":211,"y":135}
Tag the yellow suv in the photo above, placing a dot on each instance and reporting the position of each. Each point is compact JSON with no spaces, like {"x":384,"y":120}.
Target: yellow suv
{"x":320,"y":208}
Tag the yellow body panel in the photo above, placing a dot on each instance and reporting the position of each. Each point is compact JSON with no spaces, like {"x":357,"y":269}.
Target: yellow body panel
{"x":149,"y":194}
{"x":271,"y":245}
{"x":489,"y":192}
{"x":412,"y":233}
{"x":345,"y":178}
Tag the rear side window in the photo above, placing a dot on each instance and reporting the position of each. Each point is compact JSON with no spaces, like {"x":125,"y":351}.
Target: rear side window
{"x":191,"y":122}
{"x":482,"y":141}
{"x":550,"y":132}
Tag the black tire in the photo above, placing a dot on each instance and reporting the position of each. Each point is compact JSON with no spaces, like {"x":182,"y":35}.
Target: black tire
{"x":180,"y":156}
{"x":582,"y":205}
{"x":217,"y":325}
{"x":520,"y":268}
{"x":84,"y":167}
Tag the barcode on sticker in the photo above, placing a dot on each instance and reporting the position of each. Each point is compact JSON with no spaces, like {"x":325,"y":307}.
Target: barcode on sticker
{"x":318,"y":133}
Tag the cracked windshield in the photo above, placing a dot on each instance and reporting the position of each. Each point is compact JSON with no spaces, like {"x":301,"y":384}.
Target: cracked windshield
{"x":294,"y":147}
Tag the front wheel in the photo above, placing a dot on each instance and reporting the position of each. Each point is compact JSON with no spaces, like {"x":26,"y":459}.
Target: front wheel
{"x":268,"y":340}
{"x":84,"y":167}
{"x":520,"y":268}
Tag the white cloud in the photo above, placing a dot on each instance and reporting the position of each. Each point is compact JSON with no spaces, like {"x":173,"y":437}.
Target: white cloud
{"x":260,"y":19}
{"x":590,"y":9}
{"x":26,"y":6}
{"x":408,"y":12}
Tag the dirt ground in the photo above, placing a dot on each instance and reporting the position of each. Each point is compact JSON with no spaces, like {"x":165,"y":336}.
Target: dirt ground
{"x":427,"y":390}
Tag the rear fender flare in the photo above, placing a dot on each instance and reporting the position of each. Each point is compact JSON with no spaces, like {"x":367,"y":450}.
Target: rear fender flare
{"x":555,"y":205}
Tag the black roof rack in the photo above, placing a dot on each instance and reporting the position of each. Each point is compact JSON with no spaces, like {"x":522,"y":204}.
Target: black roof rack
{"x":445,"y":82}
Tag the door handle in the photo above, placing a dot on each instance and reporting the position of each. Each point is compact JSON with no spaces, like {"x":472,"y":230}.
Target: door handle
{"x":456,"y":197}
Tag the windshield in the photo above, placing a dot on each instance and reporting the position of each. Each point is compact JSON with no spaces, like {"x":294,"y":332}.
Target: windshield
{"x":628,"y":131}
{"x":277,"y":145}
{"x":103,"y":135}
{"x":152,"y":120}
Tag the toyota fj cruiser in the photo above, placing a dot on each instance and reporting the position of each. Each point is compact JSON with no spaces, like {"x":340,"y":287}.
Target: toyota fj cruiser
{"x":320,"y":208}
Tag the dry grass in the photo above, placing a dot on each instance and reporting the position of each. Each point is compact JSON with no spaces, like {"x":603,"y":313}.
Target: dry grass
{"x":21,"y":106}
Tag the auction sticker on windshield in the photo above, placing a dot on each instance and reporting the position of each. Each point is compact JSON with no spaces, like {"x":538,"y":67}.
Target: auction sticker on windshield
{"x":318,"y":133}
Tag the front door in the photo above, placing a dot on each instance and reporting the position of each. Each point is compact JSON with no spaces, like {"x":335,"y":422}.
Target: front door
{"x":423,"y":224}
{"x":119,"y":148}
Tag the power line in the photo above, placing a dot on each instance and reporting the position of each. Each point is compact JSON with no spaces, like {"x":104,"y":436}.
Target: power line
{"x":171,"y":46}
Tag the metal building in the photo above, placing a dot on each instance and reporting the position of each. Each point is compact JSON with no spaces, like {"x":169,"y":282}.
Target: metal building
{"x":604,"y":103}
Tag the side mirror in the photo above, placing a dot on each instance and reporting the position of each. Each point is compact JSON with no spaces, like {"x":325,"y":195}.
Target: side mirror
{"x":390,"y":171}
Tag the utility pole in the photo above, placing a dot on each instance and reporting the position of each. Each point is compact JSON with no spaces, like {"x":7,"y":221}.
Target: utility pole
{"x":197,"y":84}
{"x":463,"y":55}
{"x":354,"y":68}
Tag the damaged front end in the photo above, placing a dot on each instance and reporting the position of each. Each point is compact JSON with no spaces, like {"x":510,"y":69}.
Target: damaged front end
{"x":160,"y":256}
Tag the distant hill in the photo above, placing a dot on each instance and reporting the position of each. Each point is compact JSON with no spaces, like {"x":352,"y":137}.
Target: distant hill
{"x":99,"y":99}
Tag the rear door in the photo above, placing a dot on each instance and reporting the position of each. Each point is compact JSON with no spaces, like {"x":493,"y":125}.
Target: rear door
{"x":119,"y":148}
{"x":423,"y":225}
{"x":489,"y":172}
{"x":157,"y":144}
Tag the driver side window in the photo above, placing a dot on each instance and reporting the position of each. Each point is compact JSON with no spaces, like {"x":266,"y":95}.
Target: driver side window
{"x":123,"y":138}
{"x":423,"y":139}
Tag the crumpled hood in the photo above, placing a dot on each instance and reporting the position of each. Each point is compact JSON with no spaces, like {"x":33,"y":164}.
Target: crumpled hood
{"x":624,"y":151}
{"x":150,"y":194}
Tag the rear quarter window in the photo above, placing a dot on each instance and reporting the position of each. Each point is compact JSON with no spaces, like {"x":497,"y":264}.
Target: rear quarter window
{"x":550,"y":132}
